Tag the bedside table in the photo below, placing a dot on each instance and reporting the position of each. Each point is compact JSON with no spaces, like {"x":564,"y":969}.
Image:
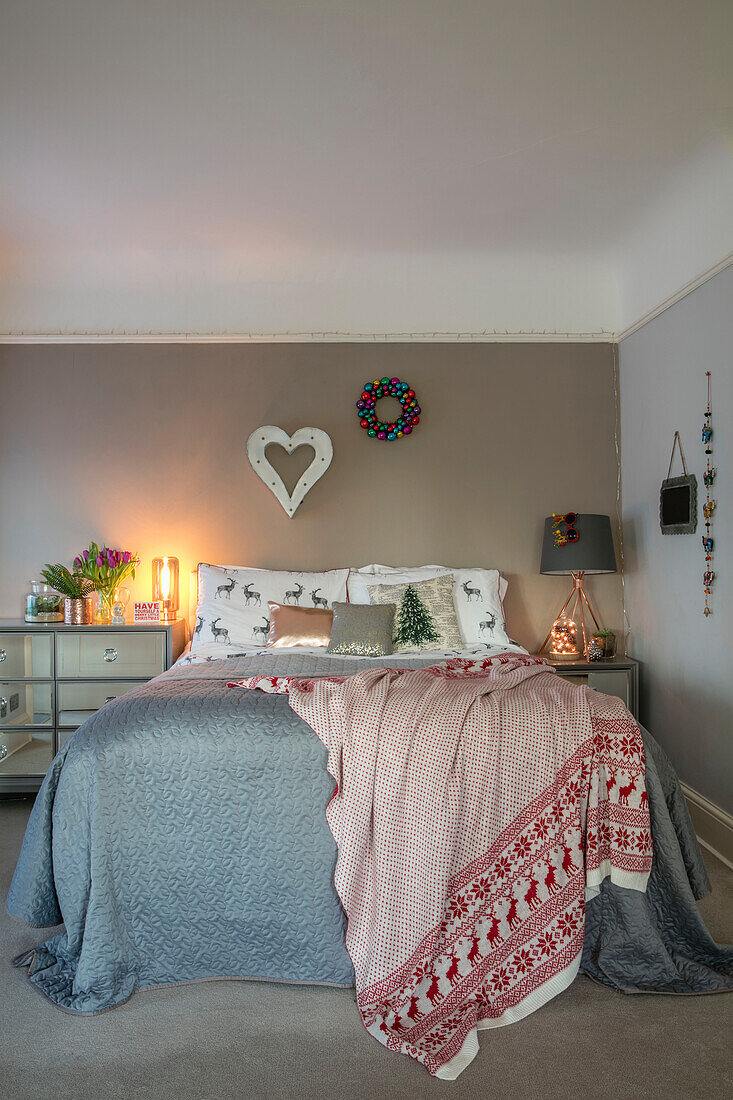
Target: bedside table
{"x":54,"y":676}
{"x":617,"y":676}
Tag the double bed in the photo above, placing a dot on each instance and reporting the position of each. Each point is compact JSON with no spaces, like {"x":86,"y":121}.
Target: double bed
{"x":181,"y":835}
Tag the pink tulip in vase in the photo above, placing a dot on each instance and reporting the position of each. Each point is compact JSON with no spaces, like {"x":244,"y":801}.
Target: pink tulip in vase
{"x":106,"y":569}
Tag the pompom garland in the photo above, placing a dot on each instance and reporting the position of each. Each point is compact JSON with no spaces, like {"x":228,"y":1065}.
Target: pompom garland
{"x":381,"y":429}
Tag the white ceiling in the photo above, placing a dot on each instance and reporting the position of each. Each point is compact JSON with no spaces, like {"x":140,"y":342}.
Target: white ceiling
{"x":367,"y":166}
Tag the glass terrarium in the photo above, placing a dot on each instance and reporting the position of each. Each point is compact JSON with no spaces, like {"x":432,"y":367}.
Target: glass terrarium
{"x":43,"y":604}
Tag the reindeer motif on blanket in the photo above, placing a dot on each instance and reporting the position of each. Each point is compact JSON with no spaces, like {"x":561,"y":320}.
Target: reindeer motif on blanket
{"x":471,"y":593}
{"x":225,"y":589}
{"x":251,"y":596}
{"x":567,"y":862}
{"x":433,"y":991}
{"x":262,"y":631}
{"x":413,"y":1013}
{"x":493,"y":933}
{"x":624,"y":792}
{"x":511,"y":916}
{"x":221,"y":634}
{"x":488,"y":624}
{"x":199,"y":625}
{"x":474,"y":954}
{"x":532,"y":898}
{"x":318,"y":601}
{"x":453,"y":973}
{"x":551,"y":883}
{"x":293,"y":596}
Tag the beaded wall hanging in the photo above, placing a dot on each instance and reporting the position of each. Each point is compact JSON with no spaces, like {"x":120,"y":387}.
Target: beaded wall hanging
{"x":708,"y":508}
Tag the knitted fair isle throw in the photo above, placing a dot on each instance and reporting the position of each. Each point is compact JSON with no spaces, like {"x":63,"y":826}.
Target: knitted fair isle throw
{"x":478,"y":805}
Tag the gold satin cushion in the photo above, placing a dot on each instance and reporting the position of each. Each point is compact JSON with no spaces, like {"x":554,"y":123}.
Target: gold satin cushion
{"x":298,"y":626}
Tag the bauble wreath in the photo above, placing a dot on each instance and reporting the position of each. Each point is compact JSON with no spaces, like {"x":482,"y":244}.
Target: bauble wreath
{"x":380,"y":429}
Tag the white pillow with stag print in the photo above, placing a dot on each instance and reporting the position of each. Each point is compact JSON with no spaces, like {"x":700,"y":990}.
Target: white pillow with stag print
{"x":232,"y":601}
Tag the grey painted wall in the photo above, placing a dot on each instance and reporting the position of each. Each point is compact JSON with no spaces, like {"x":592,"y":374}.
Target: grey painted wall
{"x":687,"y":673}
{"x":143,"y":446}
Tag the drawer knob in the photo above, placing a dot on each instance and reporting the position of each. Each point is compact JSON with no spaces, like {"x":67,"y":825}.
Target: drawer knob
{"x":3,"y":654}
{"x":110,"y":655}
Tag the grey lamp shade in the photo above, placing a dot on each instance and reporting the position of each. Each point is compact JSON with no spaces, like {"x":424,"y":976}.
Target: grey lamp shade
{"x":592,"y":553}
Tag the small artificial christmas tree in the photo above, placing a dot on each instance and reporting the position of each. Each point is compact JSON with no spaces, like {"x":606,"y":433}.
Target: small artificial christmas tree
{"x":414,"y":625}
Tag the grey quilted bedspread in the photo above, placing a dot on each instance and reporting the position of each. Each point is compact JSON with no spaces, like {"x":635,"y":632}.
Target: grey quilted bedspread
{"x":180,"y":834}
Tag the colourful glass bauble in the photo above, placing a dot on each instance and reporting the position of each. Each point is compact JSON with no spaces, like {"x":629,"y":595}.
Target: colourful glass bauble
{"x":372,"y":432}
{"x":364,"y":423}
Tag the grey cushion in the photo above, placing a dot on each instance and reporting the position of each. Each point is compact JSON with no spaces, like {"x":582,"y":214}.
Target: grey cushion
{"x":362,"y":629}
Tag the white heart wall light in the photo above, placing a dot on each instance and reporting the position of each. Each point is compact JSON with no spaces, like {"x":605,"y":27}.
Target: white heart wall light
{"x":310,"y":437}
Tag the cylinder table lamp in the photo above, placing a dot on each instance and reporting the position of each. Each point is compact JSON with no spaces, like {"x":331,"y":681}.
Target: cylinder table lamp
{"x":584,"y":546}
{"x":165,"y":587}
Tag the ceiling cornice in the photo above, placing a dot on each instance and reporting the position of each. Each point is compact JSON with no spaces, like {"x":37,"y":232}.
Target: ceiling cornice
{"x":308,"y":338}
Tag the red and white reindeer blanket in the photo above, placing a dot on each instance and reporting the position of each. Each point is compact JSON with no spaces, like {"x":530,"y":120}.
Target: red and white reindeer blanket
{"x":479,"y":804}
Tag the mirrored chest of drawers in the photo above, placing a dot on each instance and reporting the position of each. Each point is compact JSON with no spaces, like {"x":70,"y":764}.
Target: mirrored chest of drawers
{"x":53,"y":677}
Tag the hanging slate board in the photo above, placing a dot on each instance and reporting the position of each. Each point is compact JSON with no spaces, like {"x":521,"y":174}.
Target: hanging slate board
{"x":678,"y":498}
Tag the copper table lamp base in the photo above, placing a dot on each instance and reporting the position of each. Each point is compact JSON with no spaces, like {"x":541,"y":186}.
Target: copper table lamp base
{"x":581,"y":603}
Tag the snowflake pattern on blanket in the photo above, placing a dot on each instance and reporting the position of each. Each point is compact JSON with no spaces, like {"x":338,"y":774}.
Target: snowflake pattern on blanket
{"x":478,"y":805}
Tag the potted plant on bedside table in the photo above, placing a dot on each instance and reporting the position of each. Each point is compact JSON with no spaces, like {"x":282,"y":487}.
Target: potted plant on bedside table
{"x":76,"y":591}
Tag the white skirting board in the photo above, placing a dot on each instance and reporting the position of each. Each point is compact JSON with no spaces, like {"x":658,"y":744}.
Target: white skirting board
{"x":714,"y":827}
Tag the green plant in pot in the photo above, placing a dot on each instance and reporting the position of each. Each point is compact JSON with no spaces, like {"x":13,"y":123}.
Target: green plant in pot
{"x":76,"y":591}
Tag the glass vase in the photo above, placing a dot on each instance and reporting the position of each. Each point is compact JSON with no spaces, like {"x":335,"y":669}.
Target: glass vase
{"x":104,"y":599}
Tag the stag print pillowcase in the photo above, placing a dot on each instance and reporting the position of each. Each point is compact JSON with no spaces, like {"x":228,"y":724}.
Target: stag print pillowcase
{"x":477,"y":594}
{"x":232,"y":604}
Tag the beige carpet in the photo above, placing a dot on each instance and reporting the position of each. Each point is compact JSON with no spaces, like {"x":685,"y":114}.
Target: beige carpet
{"x":226,"y":1040}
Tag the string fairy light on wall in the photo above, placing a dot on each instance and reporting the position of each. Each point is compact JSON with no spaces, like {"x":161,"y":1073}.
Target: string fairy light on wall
{"x":708,"y":508}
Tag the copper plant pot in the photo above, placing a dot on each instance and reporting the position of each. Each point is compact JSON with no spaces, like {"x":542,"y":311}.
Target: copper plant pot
{"x":78,"y":612}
